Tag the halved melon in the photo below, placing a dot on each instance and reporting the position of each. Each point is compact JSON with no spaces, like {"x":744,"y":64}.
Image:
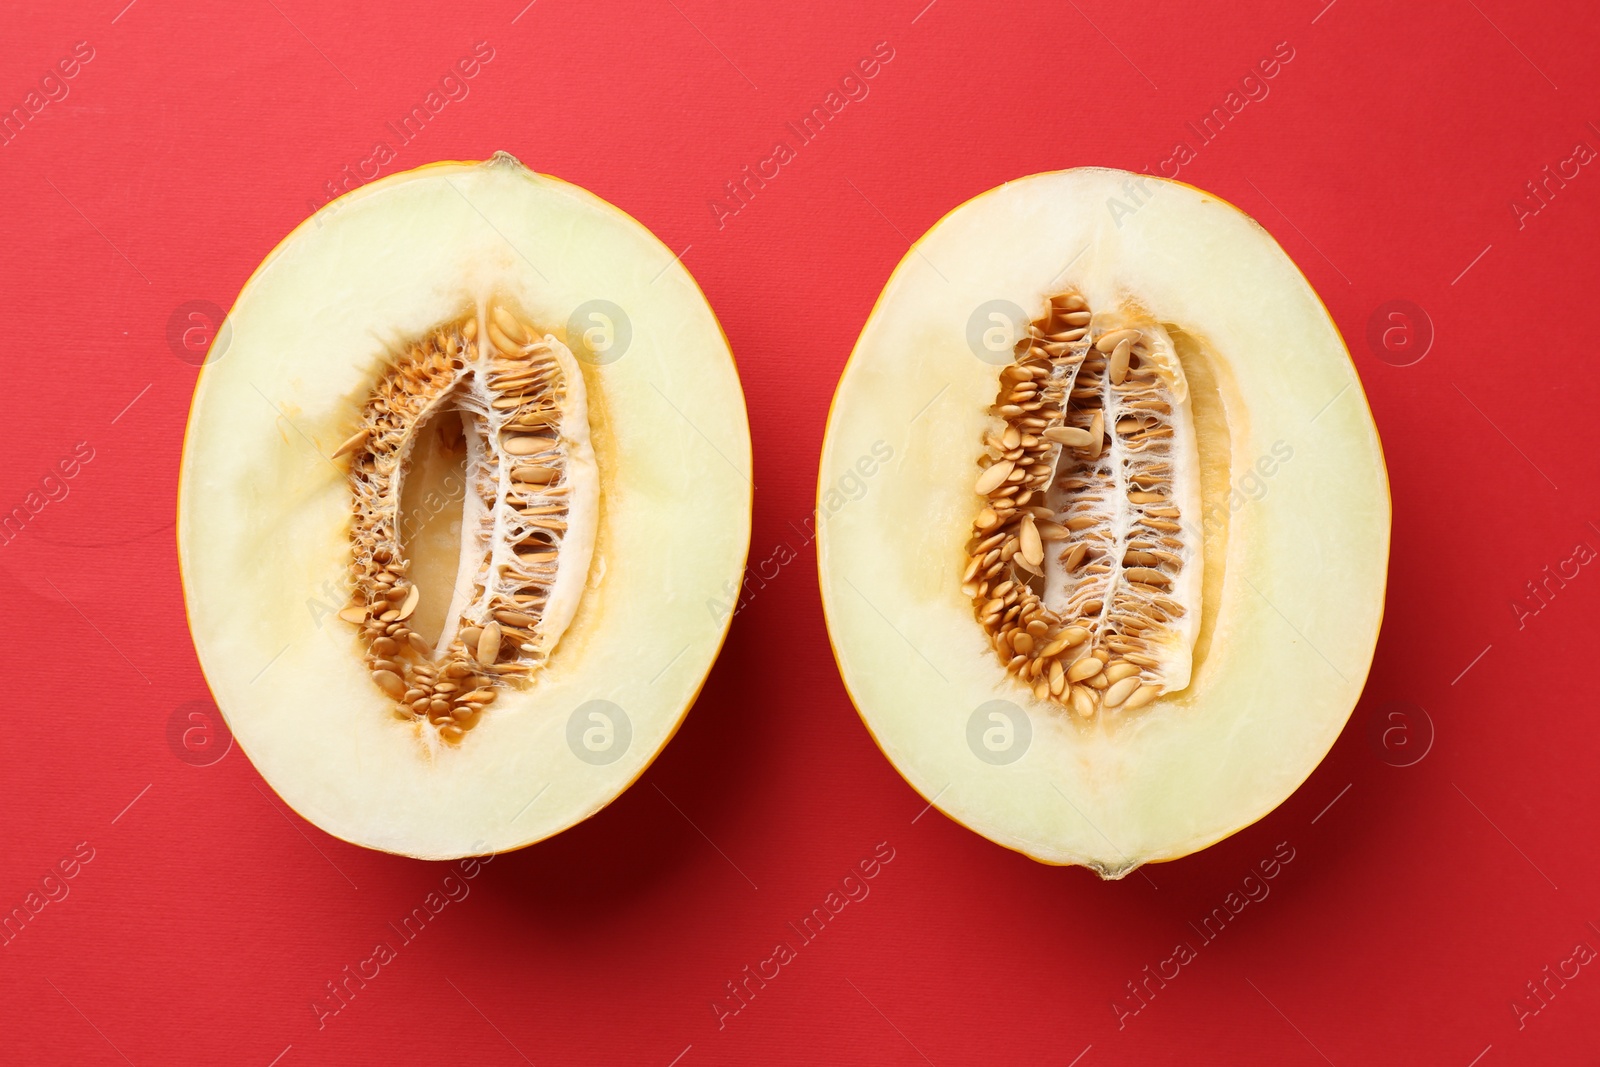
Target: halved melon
{"x":1117,"y":591}
{"x":458,"y":485}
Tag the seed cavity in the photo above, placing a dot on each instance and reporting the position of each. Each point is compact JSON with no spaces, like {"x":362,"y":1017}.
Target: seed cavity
{"x":517,"y":409}
{"x":1082,"y":569}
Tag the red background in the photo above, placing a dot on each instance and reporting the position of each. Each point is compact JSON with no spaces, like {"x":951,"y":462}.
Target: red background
{"x":1385,"y":159}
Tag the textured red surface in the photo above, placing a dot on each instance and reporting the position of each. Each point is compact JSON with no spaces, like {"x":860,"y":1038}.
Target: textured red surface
{"x":1386,"y":156}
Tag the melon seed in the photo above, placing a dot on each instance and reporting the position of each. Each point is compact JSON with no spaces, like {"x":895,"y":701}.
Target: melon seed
{"x":390,"y":683}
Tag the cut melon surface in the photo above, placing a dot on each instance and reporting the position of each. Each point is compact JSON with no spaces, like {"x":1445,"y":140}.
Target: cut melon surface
{"x":459,"y":482}
{"x":1118,"y":589}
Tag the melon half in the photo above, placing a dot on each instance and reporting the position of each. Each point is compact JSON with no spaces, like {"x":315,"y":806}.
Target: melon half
{"x":461,"y":477}
{"x":1117,"y":590}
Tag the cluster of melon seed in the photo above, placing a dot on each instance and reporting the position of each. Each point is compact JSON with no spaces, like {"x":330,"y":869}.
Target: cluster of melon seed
{"x":1079,"y":473}
{"x":451,"y":694}
{"x":512,"y":403}
{"x":526,"y":495}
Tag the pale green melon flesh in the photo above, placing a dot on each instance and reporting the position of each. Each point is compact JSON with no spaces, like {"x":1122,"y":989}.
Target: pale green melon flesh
{"x":1293,"y":604}
{"x":264,"y":514}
